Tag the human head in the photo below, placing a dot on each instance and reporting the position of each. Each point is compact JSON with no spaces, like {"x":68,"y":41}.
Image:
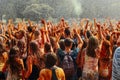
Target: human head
{"x":14,"y":52}
{"x":34,"y":47}
{"x":51,"y":60}
{"x":68,"y":42}
{"x":88,"y":34}
{"x":67,"y":32}
{"x":108,"y":37}
{"x":47,"y":47}
{"x":29,"y":28}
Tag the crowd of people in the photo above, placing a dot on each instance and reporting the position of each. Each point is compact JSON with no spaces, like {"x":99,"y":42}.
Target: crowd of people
{"x":85,"y":51}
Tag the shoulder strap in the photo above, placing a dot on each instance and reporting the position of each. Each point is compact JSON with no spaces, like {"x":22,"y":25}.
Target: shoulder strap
{"x":54,"y":76}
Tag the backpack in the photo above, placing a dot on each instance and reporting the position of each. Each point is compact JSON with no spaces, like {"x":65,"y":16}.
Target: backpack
{"x":68,"y":65}
{"x":54,"y":76}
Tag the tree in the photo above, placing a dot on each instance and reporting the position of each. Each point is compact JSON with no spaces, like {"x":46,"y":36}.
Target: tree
{"x":38,"y":11}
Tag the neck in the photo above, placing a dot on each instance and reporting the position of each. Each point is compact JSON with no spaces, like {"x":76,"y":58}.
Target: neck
{"x":67,"y":49}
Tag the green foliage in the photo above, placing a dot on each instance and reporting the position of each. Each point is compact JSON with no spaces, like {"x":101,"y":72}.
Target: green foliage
{"x":38,"y":11}
{"x":55,"y":9}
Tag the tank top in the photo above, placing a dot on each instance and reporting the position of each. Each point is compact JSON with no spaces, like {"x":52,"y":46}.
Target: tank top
{"x":91,"y":64}
{"x":90,"y":68}
{"x":35,"y":73}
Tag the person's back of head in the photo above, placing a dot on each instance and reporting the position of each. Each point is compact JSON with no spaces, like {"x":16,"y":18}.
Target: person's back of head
{"x":108,"y":37}
{"x":67,"y":32}
{"x":34,"y":47}
{"x":13,"y":51}
{"x":47,"y":47}
{"x":50,"y":60}
{"x":68,"y":42}
{"x":89,"y":34}
{"x":15,"y":65}
{"x":29,"y":28}
{"x":62,"y":45}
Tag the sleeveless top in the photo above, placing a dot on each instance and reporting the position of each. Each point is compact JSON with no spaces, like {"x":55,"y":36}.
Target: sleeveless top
{"x":35,"y":73}
{"x":90,"y":68}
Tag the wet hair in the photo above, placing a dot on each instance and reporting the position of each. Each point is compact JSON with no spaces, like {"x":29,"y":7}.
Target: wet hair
{"x":62,"y":45}
{"x":47,"y":47}
{"x":92,"y":45}
{"x":51,"y":60}
{"x":67,"y":32}
{"x":15,"y":66}
{"x":13,"y":51}
{"x":68,"y":42}
{"x":29,"y":28}
{"x":108,"y":37}
{"x":88,"y":34}
{"x":34,"y":47}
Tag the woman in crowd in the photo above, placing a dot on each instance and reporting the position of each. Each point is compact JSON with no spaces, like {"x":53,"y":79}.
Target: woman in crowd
{"x":14,"y":65}
{"x":90,"y":60}
{"x":105,"y":61}
{"x":33,"y":60}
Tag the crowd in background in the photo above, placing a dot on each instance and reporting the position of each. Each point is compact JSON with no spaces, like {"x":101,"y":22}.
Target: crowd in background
{"x":60,"y":51}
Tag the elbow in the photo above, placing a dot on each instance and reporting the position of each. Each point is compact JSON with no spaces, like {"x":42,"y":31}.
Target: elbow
{"x":28,"y":73}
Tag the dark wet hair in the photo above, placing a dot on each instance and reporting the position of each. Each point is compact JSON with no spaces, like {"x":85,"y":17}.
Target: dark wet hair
{"x":88,"y":34}
{"x":15,"y":66}
{"x":51,"y":60}
{"x":67,"y":32}
{"x":92,"y":45}
{"x":108,"y":37}
{"x":34,"y":47}
{"x":29,"y":28}
{"x":47,"y":47}
{"x":68,"y":42}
